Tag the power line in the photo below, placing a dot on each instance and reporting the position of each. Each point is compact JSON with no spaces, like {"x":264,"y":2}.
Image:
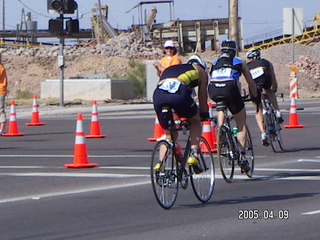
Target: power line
{"x":27,"y":7}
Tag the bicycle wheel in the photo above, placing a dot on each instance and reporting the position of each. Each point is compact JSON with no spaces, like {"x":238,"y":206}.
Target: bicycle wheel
{"x":249,"y":154}
{"x":203,"y":183}
{"x":224,"y":150}
{"x":275,"y":135}
{"x":164,"y":180}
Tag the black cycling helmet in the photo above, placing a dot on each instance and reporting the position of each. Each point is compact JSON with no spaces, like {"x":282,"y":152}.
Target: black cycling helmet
{"x":198,"y":60}
{"x":229,"y":47}
{"x":254,"y":53}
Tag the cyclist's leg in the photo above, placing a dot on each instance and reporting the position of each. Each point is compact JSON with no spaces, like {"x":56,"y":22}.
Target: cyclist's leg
{"x":240,"y":119}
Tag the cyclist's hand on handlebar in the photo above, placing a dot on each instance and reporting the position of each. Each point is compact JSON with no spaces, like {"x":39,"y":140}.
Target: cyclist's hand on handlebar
{"x":256,"y":99}
{"x":204,"y":116}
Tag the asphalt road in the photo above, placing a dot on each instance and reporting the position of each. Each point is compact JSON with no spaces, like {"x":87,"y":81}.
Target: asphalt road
{"x":41,"y":199}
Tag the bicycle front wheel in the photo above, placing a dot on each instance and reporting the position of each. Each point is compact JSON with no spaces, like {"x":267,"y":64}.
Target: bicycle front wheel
{"x":164,"y":180}
{"x":203,"y":183}
{"x":224,"y":152}
{"x":249,"y":154}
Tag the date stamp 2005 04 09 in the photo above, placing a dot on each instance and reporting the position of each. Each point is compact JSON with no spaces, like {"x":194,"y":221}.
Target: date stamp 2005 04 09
{"x":255,"y":214}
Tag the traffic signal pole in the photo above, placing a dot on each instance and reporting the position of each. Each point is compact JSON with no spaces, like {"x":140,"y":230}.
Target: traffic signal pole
{"x":61,"y":67}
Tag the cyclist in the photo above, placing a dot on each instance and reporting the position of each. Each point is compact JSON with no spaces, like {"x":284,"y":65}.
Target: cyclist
{"x":224,"y":81}
{"x":262,"y":73}
{"x":175,"y":90}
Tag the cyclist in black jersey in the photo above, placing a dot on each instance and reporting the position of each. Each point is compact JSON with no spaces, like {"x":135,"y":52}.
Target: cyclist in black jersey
{"x":224,"y":82}
{"x":175,"y":90}
{"x":263,"y":75}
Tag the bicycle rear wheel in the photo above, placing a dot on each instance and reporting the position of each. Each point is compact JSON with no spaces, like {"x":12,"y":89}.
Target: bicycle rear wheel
{"x":224,"y":150}
{"x":275,"y":136}
{"x":203,"y":183}
{"x":249,"y":154}
{"x":164,"y":180}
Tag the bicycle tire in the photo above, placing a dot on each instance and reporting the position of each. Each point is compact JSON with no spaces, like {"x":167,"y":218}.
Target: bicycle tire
{"x":203,"y":183}
{"x":224,"y":149}
{"x":275,"y":136}
{"x":250,"y":154}
{"x":164,"y":181}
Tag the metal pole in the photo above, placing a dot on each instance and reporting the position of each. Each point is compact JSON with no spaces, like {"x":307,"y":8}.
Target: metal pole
{"x":3,"y":14}
{"x":61,"y":66}
{"x":292,"y":36}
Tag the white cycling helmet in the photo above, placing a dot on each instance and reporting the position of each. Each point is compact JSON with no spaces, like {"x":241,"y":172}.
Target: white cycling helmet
{"x":198,"y":60}
{"x":254,"y":53}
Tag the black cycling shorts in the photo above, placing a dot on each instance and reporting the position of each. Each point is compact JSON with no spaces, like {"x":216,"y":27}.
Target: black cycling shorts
{"x":230,"y":91}
{"x":263,"y":82}
{"x":181,"y":101}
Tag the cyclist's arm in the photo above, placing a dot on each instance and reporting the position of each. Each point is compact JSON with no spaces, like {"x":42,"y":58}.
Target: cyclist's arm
{"x":273,"y":79}
{"x":251,"y":83}
{"x":202,"y":89}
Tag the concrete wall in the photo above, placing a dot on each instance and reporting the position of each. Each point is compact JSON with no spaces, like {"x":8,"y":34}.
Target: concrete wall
{"x":152,"y":78}
{"x":88,"y":89}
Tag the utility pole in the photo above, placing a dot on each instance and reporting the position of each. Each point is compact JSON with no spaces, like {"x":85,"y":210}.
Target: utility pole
{"x":3,"y":14}
{"x":233,"y":21}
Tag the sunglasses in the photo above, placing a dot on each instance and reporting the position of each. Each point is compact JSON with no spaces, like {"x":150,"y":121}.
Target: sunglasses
{"x":169,"y":48}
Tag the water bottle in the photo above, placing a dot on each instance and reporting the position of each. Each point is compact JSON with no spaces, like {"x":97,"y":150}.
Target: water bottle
{"x":234,"y":130}
{"x":179,"y":151}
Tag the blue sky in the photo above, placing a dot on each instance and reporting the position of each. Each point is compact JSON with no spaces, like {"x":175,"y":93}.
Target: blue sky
{"x":259,"y":16}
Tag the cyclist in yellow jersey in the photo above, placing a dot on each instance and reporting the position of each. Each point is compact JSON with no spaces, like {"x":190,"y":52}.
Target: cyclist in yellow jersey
{"x":175,"y":90}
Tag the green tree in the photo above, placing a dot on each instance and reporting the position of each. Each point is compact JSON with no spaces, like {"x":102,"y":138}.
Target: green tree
{"x":137,"y":75}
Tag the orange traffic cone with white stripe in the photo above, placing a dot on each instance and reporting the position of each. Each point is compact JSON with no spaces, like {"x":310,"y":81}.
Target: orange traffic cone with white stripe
{"x":80,"y":159}
{"x":13,"y":123}
{"x":207,"y":134}
{"x":158,"y":130}
{"x":293,"y":117}
{"x":95,"y":125}
{"x":35,"y":119}
{"x":213,"y":127}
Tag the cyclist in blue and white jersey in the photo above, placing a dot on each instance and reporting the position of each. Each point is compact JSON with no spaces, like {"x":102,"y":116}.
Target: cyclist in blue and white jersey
{"x":224,"y":81}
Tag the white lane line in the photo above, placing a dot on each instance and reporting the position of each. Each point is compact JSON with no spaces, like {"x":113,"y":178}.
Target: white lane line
{"x":114,"y":175}
{"x":56,"y":194}
{"x":54,"y":167}
{"x":286,"y":170}
{"x":311,"y":213}
{"x":309,"y":160}
{"x":71,"y":156}
{"x":84,"y":175}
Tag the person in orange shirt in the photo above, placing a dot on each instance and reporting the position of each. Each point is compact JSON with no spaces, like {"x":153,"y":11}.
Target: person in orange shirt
{"x":171,"y":57}
{"x":3,"y":93}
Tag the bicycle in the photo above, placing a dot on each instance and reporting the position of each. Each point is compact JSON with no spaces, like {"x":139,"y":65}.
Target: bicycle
{"x":271,"y":125}
{"x":227,"y":145}
{"x":174,"y":172}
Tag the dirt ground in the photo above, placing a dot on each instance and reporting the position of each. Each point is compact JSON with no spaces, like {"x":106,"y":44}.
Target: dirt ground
{"x":26,"y":73}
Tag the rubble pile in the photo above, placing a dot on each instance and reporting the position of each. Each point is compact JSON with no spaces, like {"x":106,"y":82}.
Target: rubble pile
{"x":125,"y":45}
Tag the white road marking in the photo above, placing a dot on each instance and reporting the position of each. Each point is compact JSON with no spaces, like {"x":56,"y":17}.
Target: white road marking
{"x":309,"y":160}
{"x":311,"y":213}
{"x":71,"y":156}
{"x":62,"y":193}
{"x":83,"y":174}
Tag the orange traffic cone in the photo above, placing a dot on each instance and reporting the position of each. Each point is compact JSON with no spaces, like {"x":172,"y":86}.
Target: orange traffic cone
{"x":35,"y":120}
{"x":293,"y":118}
{"x":207,"y":134}
{"x":80,"y":159}
{"x":13,"y":124}
{"x":158,"y":130}
{"x":213,"y":127}
{"x":95,"y":125}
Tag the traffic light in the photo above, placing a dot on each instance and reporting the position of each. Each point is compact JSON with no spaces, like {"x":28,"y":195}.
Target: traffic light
{"x":72,"y":26}
{"x":63,"y":6}
{"x":56,"y":26}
